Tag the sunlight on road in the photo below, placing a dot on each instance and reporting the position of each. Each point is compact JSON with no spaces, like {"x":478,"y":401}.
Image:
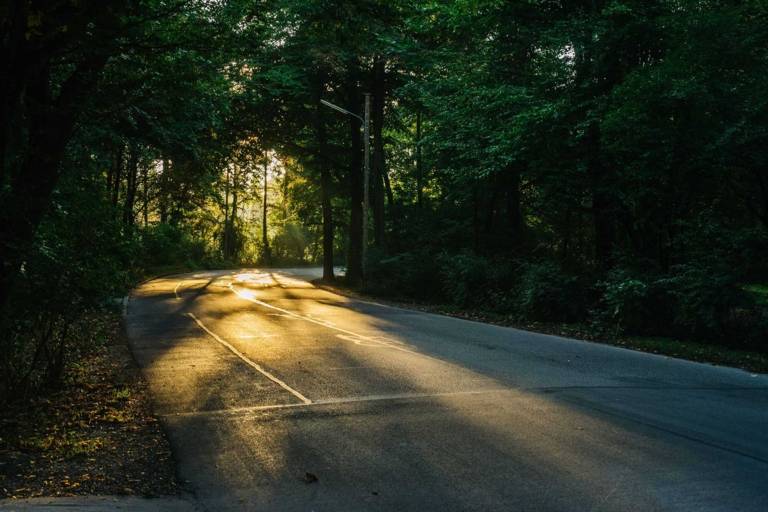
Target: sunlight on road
{"x":297,"y":379}
{"x":248,"y":294}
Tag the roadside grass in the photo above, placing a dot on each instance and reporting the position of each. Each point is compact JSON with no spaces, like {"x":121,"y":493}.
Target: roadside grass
{"x":95,"y":435}
{"x":698,"y":351}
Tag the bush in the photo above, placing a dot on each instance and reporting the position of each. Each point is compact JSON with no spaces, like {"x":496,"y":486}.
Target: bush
{"x":548,"y":294}
{"x":633,"y":304}
{"x":705,"y":297}
{"x":466,"y":279}
{"x":406,"y":274}
{"x":747,"y":328}
{"x":291,"y":244}
{"x":165,"y":244}
{"x":539,"y":292}
{"x":79,"y":263}
{"x":694,"y":301}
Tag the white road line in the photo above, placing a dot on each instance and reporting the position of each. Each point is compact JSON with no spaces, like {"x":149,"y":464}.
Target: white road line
{"x":176,"y":290}
{"x":348,"y":368}
{"x":254,"y":365}
{"x":369,"y":339}
{"x":338,"y":401}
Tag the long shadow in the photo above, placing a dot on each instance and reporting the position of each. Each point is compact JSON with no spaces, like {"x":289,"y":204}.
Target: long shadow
{"x":522,"y":449}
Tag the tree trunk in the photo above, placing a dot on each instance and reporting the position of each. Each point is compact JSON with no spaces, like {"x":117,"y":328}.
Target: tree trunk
{"x":325,"y":184}
{"x":162,"y":201}
{"x":40,"y":125}
{"x":390,"y":194}
{"x":604,"y":211}
{"x":145,"y":194}
{"x":378,"y":100}
{"x":225,"y":234}
{"x":419,"y":168}
{"x":130,"y":186}
{"x":493,"y":200}
{"x":514,"y":213}
{"x":234,"y":249}
{"x":476,"y":217}
{"x":110,"y":176}
{"x":117,"y":175}
{"x":13,"y":62}
{"x":28,"y":200}
{"x":265,"y":205}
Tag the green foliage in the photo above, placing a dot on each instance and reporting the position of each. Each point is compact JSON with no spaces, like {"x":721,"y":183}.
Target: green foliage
{"x":463,"y":277}
{"x":704,"y":297}
{"x":290,"y":245}
{"x":633,"y":304}
{"x":547,"y":293}
{"x":693,"y":301}
{"x":472,"y":281}
{"x":759,"y":293}
{"x":403,"y":275}
{"x":168,"y":245}
{"x":80,"y":263}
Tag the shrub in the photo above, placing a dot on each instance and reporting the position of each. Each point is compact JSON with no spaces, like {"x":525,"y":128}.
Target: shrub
{"x":290,"y":245}
{"x":166,"y":244}
{"x":466,"y":279}
{"x":705,"y":296}
{"x":694,"y":301}
{"x":633,"y":304}
{"x":747,"y":327}
{"x":406,"y":274}
{"x":79,"y":262}
{"x":546,"y":293}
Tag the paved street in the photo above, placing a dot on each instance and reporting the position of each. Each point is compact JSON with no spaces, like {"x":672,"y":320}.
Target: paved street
{"x":280,"y":396}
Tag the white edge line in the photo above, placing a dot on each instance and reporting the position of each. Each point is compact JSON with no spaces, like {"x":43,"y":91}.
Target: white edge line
{"x":254,"y":365}
{"x":176,"y":290}
{"x":338,"y":401}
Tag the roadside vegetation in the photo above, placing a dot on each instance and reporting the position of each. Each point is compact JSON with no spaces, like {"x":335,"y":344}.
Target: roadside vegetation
{"x":712,"y":352}
{"x":95,"y":434}
{"x":600,"y":164}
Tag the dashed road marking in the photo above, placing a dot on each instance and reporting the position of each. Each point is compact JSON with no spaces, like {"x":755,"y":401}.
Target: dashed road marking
{"x":354,"y":337}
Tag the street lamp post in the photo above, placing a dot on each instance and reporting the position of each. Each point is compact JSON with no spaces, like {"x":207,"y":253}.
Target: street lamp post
{"x":367,"y":164}
{"x":366,"y":177}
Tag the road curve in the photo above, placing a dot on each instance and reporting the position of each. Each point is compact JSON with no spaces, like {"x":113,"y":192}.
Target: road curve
{"x":277,"y":395}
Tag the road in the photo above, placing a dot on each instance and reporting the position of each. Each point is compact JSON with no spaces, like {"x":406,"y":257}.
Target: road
{"x":277,"y":395}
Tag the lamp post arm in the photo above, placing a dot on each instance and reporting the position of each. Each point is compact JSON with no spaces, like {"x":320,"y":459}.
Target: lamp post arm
{"x":342,"y":110}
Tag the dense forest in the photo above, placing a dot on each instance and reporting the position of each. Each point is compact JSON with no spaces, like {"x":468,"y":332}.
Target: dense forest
{"x":594,"y":162}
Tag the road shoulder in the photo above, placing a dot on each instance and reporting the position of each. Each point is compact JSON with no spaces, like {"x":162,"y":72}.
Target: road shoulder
{"x":99,"y":504}
{"x":96,"y":435}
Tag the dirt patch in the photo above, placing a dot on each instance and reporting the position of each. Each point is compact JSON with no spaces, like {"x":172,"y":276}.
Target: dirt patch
{"x":96,"y":435}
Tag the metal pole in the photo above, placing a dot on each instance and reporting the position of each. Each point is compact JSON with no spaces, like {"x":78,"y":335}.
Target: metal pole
{"x":366,"y":170}
{"x":366,"y":176}
{"x":264,"y":235}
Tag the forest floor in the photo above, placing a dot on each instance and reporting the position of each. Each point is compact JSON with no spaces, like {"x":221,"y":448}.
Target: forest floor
{"x":95,"y":435}
{"x":702,"y":352}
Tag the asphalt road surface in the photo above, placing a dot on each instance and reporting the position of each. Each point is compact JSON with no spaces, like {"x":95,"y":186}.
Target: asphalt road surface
{"x":280,"y":396}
